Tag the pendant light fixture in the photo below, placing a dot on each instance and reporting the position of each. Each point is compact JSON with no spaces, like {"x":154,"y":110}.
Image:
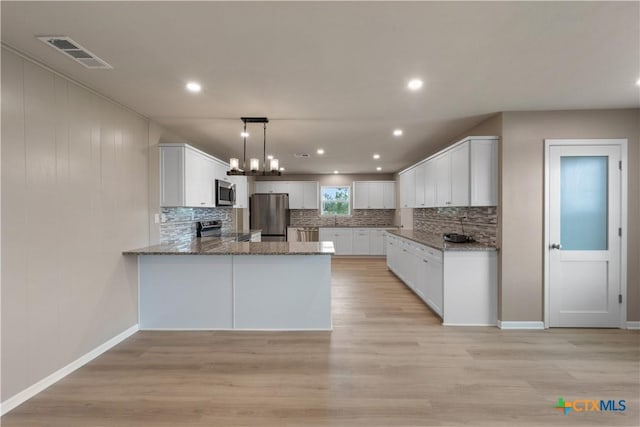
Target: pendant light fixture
{"x":254,"y":164}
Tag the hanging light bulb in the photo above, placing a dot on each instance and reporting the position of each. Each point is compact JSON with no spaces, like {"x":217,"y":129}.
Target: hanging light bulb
{"x":254,"y":165}
{"x":234,"y":164}
{"x":274,"y":165}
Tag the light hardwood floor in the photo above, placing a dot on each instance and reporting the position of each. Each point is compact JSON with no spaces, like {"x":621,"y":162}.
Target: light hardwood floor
{"x":388,"y":362}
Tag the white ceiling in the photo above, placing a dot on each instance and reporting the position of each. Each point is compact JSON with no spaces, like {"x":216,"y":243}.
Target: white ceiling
{"x":333,"y":75}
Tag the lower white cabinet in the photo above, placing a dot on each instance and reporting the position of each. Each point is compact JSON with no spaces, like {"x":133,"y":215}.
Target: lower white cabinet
{"x":460,"y":286}
{"x":341,"y":238}
{"x":355,"y":241}
{"x":361,"y":241}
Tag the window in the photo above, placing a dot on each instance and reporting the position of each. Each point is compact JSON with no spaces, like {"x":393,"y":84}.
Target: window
{"x":335,"y":200}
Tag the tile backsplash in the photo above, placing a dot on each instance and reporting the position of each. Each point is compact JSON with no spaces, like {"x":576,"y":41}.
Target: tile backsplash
{"x":358,"y":218}
{"x":481,"y":222}
{"x":180,"y":223}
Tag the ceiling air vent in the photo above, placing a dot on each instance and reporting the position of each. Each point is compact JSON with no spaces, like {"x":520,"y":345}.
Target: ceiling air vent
{"x":75,"y":51}
{"x":302,"y":155}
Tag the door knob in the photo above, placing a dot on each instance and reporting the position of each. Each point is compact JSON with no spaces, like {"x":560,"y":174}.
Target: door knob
{"x":555,"y":246}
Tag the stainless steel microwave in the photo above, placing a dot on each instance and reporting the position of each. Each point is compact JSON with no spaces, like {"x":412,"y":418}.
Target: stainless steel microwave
{"x":225,"y":193}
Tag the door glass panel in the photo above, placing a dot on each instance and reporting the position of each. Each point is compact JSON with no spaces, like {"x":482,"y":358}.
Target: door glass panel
{"x":583,"y":203}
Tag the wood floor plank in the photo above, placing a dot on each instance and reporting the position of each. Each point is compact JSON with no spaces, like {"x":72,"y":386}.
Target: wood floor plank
{"x":388,"y":362}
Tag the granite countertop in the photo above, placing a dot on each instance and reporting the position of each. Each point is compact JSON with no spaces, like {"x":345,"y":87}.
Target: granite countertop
{"x":217,"y":246}
{"x":435,"y":241}
{"x":345,"y":226}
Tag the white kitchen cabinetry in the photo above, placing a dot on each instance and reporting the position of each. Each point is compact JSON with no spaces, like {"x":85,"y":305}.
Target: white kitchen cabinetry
{"x":377,"y":240}
{"x":452,"y":177}
{"x":420,"y":181}
{"x":242,"y":194}
{"x":460,"y":286}
{"x":303,"y":195}
{"x":465,"y":174}
{"x":408,"y":189}
{"x":484,"y":172}
{"x":361,"y":241}
{"x":341,"y":237}
{"x":272,"y":186}
{"x":374,"y":195}
{"x":187,"y":176}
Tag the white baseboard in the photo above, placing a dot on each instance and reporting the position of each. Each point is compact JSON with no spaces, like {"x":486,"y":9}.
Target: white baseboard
{"x":633,"y":325}
{"x":468,"y":324}
{"x":520,"y":325}
{"x":31,"y":391}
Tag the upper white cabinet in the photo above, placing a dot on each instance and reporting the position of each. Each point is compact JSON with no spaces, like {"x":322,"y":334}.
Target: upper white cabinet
{"x":187,"y":176}
{"x":272,"y":186}
{"x":242,"y":193}
{"x":452,"y":177}
{"x":408,"y":189}
{"x":302,"y":194}
{"x":465,"y":174}
{"x":484,"y":172}
{"x":374,"y":195}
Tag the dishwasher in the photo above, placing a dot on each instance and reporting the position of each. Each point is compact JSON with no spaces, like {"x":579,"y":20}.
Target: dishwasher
{"x":307,"y":234}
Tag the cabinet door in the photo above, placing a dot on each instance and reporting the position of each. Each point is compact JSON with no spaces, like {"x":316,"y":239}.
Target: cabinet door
{"x":296,"y":195}
{"x":361,"y":241}
{"x":361,"y":195}
{"x":376,"y":242}
{"x":460,"y":175}
{"x":210,"y":173}
{"x":172,"y":176}
{"x":484,"y":172}
{"x":263,"y":187}
{"x":310,"y":195}
{"x":195,"y":178}
{"x":443,"y":180}
{"x":434,"y":285}
{"x":392,"y":253}
{"x":242,"y":196}
{"x":280,"y":187}
{"x":389,"y":195}
{"x":343,"y":242}
{"x":420,"y":178}
{"x":376,"y":196}
{"x":430,"y":184}
{"x":407,"y":189}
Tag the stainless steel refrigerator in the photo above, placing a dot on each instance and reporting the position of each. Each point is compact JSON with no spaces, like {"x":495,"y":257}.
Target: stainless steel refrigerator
{"x":269,"y":212}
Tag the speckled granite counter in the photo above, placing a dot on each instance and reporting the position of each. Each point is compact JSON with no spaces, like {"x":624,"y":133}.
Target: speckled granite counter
{"x":435,"y":241}
{"x":217,"y":246}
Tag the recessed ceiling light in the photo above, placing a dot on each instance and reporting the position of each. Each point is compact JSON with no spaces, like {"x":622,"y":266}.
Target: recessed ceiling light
{"x":281,"y":169}
{"x":638,"y":82}
{"x":244,"y":134}
{"x":194,"y":87}
{"x":397,"y":132}
{"x":378,"y":168}
{"x":270,"y":157}
{"x":320,"y":151}
{"x":336,"y":172}
{"x":415,"y":84}
{"x":376,"y":156}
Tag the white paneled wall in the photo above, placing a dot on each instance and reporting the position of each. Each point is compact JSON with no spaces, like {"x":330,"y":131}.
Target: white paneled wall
{"x":74,"y":196}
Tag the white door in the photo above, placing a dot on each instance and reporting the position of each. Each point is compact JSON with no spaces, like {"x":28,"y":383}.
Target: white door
{"x":584,"y":244}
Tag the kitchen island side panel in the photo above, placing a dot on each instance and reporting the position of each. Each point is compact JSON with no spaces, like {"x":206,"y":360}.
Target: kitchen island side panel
{"x":274,"y":292}
{"x":185,"y":292}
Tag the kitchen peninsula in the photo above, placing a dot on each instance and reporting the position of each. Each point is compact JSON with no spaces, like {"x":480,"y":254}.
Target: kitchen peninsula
{"x":208,"y":284}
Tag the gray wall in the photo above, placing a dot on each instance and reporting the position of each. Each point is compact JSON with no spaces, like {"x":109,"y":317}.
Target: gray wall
{"x":523,"y":204}
{"x":521,"y":210}
{"x":74,"y":195}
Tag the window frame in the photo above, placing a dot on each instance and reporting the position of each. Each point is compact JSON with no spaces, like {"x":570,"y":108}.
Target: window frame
{"x":322,"y":200}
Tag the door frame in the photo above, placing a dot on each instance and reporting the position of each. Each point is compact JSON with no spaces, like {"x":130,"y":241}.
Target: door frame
{"x":622,"y":143}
